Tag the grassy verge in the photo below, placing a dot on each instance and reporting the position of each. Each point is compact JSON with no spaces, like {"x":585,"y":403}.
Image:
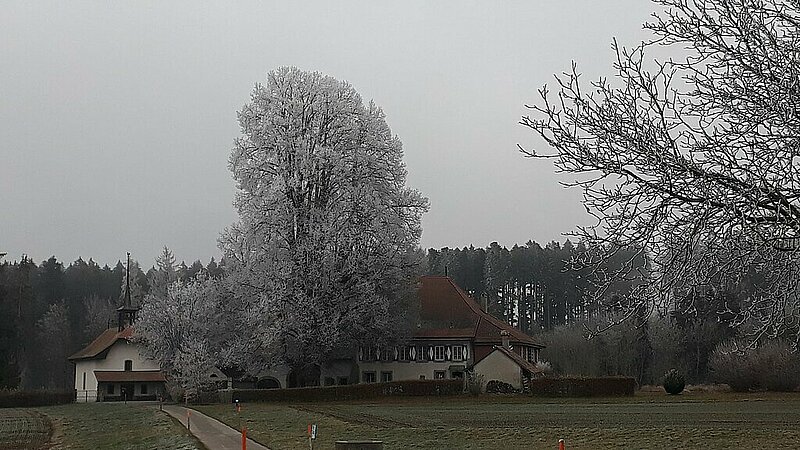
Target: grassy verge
{"x":654,"y":420}
{"x":23,"y":428}
{"x":116,"y":426}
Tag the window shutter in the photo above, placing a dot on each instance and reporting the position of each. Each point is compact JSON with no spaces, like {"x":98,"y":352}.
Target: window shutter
{"x":396,"y":353}
{"x":360,"y":353}
{"x":430,"y":353}
{"x":466,"y":352}
{"x":447,"y":353}
{"x":414,"y":353}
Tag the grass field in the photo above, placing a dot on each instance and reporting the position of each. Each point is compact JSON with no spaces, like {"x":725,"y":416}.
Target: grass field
{"x":649,"y":420}
{"x":23,"y":428}
{"x":92,"y":426}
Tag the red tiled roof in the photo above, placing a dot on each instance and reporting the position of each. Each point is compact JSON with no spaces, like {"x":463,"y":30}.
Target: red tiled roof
{"x":447,"y":311}
{"x":128,"y":376}
{"x":96,"y":349}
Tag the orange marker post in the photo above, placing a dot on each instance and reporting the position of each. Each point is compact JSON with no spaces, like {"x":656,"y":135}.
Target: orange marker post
{"x":561,"y":445}
{"x":244,"y":438}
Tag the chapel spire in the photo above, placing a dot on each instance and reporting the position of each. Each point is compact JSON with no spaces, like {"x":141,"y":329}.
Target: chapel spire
{"x":126,"y":314}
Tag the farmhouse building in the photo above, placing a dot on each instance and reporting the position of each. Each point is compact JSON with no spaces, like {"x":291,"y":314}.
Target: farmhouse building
{"x":112,"y":366}
{"x":453,"y":335}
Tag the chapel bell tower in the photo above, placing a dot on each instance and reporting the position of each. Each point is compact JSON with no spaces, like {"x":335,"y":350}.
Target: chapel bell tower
{"x":126,"y":314}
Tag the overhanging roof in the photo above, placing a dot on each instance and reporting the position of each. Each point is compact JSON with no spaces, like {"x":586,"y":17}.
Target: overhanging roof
{"x":448,"y":312}
{"x":128,"y":376}
{"x":519,"y":360}
{"x":96,"y":349}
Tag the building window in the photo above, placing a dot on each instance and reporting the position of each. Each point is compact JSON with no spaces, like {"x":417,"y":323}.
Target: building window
{"x":110,"y":389}
{"x":368,"y":354}
{"x":386,"y":377}
{"x":329,"y":381}
{"x":438,"y":353}
{"x":84,"y":381}
{"x":343,"y":381}
{"x":439,"y":374}
{"x":128,"y":365}
{"x":144,"y":389}
{"x":421,"y":350}
{"x":407,"y":354}
{"x":368,"y":377}
{"x":458,"y":353}
{"x":387,"y":354}
{"x":422,"y":377}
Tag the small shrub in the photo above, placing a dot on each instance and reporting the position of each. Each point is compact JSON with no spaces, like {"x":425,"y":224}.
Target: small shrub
{"x":674,"y":382}
{"x":474,"y":383}
{"x":545,"y":367}
{"x":499,"y":387}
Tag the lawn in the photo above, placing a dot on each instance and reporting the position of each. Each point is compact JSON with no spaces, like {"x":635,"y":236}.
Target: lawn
{"x":23,"y":428}
{"x":648,"y":420}
{"x":92,"y":426}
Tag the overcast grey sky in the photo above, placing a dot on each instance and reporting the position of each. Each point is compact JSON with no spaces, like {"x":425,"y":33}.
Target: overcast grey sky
{"x":117,"y":118}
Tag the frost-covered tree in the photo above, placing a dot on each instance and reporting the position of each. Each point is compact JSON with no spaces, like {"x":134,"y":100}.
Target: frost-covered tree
{"x":54,"y":338}
{"x":185,"y":329}
{"x":99,"y":314}
{"x":694,"y":160}
{"x":165,"y":272}
{"x":321,"y":257}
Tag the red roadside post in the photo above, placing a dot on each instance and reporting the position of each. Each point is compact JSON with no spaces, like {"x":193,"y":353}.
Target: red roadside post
{"x":244,"y":438}
{"x":561,"y":445}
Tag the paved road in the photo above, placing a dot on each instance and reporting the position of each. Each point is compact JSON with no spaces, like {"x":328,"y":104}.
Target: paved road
{"x":212,"y":433}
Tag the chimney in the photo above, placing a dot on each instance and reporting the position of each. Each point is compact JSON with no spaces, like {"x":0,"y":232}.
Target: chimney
{"x":504,"y":338}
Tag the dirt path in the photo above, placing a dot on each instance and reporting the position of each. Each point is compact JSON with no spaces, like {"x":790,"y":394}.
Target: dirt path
{"x":214,"y":434}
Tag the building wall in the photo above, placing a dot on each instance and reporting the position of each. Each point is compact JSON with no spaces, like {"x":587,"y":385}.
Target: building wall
{"x":115,"y":360}
{"x":410,"y":370}
{"x":497,"y":366}
{"x":415,"y":369}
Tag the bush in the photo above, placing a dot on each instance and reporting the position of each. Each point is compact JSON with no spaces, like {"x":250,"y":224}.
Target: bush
{"x":544,"y":367}
{"x":351,"y":392}
{"x":583,"y":386}
{"x":772,"y":366}
{"x":16,"y":399}
{"x":499,"y":387}
{"x":674,"y":382}
{"x":474,"y":383}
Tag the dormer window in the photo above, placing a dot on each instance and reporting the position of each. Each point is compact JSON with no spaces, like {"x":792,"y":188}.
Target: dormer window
{"x":128,"y":365}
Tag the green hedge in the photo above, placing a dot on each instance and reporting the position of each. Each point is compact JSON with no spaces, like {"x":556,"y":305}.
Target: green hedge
{"x":348,"y":392}
{"x":16,"y":399}
{"x":583,"y":386}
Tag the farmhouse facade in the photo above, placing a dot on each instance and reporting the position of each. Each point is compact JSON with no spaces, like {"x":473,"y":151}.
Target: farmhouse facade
{"x":453,"y":335}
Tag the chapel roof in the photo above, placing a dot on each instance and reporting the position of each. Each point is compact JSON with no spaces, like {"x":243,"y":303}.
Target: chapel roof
{"x":97,"y":348}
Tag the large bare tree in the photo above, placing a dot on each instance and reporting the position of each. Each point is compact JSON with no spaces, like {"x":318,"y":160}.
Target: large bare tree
{"x":692,"y":160}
